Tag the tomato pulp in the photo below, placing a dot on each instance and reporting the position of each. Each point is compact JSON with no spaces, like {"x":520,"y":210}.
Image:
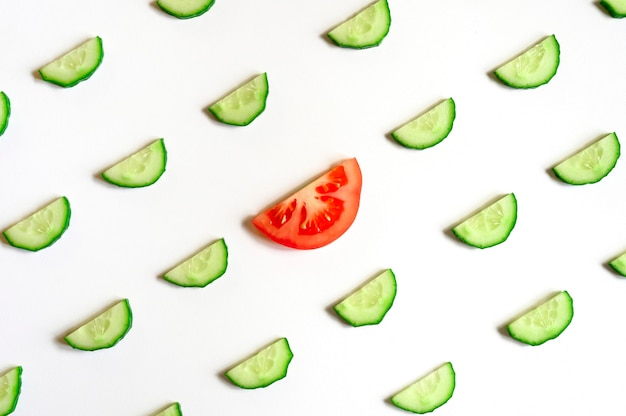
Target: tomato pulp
{"x":318,"y":213}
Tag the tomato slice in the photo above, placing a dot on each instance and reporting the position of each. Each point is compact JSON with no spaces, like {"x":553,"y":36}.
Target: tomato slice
{"x":318,"y":213}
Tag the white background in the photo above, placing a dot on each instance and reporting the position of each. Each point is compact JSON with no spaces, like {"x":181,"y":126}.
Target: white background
{"x":325,"y":104}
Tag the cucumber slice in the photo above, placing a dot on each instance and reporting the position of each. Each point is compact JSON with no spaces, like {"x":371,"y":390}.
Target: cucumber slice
{"x":202,"y":268}
{"x":590,"y":164}
{"x":42,"y":228}
{"x":243,"y":105}
{"x":429,"y":128}
{"x":545,"y":322}
{"x":263,"y":368}
{"x":616,"y":8}
{"x":75,"y":66}
{"x":369,"y":304}
{"x":619,"y":264}
{"x":142,"y":168}
{"x":429,"y":392}
{"x":5,"y":111}
{"x":491,"y":225}
{"x":365,"y":29}
{"x":171,"y":410}
{"x":103,"y":331}
{"x":185,"y":9}
{"x":534,"y":67}
{"x":10,"y":387}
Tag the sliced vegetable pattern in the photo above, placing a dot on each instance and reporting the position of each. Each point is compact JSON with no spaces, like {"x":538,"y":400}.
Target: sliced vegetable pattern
{"x":318,"y":213}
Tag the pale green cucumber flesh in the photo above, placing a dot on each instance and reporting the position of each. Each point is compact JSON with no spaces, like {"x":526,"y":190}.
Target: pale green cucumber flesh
{"x":75,"y":66}
{"x":185,"y":9}
{"x":619,"y":264}
{"x":141,"y":169}
{"x":5,"y":111}
{"x":492,"y":225}
{"x":10,"y":388}
{"x":365,"y":29}
{"x":42,"y":228}
{"x":202,"y":268}
{"x":544,"y":322}
{"x":171,"y":410}
{"x":243,"y":105}
{"x":429,"y":392}
{"x":371,"y":302}
{"x":534,"y":67}
{"x":616,"y":8}
{"x":104,"y":330}
{"x":590,"y":164}
{"x":428,"y":129}
{"x":263,"y":368}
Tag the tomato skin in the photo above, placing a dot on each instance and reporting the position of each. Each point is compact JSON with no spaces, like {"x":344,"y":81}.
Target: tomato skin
{"x":317,"y":214}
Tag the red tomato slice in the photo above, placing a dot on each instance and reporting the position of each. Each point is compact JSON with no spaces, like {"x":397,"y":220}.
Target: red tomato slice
{"x":317,"y":214}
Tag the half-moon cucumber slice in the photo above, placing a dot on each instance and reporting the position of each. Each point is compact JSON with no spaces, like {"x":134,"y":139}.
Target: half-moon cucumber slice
{"x":616,"y":8}
{"x":429,"y":392}
{"x":534,"y":67}
{"x":370,"y":303}
{"x":590,"y":164}
{"x":619,"y":264}
{"x":545,"y":322}
{"x":243,"y":105}
{"x":10,"y":388}
{"x":185,"y":9}
{"x":142,"y":168}
{"x":42,"y":228}
{"x":75,"y":66}
{"x":103,"y":331}
{"x":171,"y":410}
{"x":5,"y":111}
{"x":365,"y":29}
{"x":429,"y":128}
{"x":491,"y":225}
{"x":263,"y":368}
{"x":202,"y":268}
